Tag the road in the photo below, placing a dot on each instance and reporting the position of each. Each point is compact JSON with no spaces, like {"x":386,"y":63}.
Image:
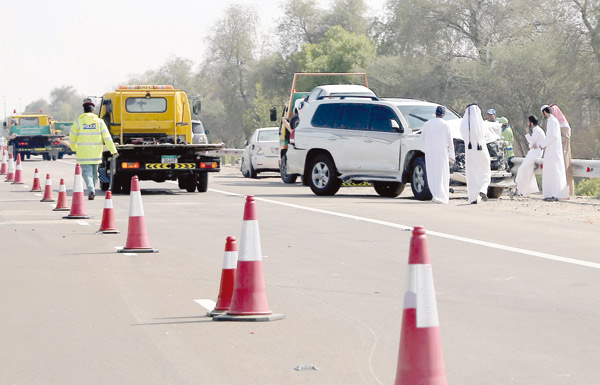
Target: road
{"x":517,"y":293}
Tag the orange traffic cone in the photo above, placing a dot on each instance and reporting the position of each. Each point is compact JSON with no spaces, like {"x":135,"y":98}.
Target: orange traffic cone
{"x":4,"y":166}
{"x":78,"y":202}
{"x":227,"y":277}
{"x":249,"y":300}
{"x":36,"y":182}
{"x":108,"y":216}
{"x":137,"y":236}
{"x":48,"y":190}
{"x":420,"y":360}
{"x":10,"y":174}
{"x":18,"y":173}
{"x":63,"y":202}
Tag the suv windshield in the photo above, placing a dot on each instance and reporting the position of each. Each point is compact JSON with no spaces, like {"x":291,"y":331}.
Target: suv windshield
{"x":416,"y":116}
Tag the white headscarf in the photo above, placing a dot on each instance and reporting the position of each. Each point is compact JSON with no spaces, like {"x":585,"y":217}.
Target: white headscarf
{"x":471,"y":128}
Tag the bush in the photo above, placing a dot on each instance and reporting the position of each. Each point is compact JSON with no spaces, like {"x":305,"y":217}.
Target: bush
{"x":588,"y":187}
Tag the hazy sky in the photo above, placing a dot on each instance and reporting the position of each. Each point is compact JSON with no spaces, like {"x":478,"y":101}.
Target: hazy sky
{"x":95,"y":45}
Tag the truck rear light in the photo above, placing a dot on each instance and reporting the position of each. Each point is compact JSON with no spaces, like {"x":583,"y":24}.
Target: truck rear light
{"x":22,"y":143}
{"x":129,"y":165}
{"x":293,"y":137}
{"x":56,"y":143}
{"x":209,"y":165}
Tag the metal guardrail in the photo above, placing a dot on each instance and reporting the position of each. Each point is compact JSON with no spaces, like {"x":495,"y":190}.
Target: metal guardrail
{"x":227,"y":152}
{"x":582,"y":168}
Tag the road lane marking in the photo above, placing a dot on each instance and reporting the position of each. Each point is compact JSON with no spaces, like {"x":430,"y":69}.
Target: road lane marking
{"x":83,"y":223}
{"x":208,"y":304}
{"x":40,"y":222}
{"x":432,"y":233}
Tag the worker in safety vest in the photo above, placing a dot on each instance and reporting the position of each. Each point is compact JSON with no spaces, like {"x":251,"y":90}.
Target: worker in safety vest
{"x":88,"y":136}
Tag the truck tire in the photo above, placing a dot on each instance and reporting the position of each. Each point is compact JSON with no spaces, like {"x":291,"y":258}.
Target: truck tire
{"x":418,"y":182}
{"x":104,"y":186}
{"x":495,"y":192}
{"x":389,"y":189}
{"x":190,"y":183}
{"x":322,"y":176}
{"x":181,"y":182}
{"x":285,"y":177}
{"x":202,"y":182}
{"x":60,"y":155}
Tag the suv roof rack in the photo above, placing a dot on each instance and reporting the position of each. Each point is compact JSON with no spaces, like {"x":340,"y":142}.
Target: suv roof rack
{"x":344,"y":96}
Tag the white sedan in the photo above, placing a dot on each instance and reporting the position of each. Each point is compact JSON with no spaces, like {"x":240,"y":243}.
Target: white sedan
{"x":261,"y":152}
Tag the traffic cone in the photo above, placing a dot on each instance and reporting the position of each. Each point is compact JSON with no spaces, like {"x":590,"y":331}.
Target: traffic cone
{"x":137,"y":236}
{"x":4,"y":166}
{"x":78,"y":202}
{"x":108,"y":216}
{"x":18,"y":174}
{"x":63,"y":201}
{"x":249,"y":300}
{"x":10,"y":174}
{"x":48,"y":190}
{"x":420,"y":359}
{"x":227,"y":277}
{"x":36,"y":182}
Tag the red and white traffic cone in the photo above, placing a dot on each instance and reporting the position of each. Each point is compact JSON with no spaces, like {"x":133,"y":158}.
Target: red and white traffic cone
{"x":108,"y":216}
{"x":137,"y":235}
{"x":63,"y":201}
{"x":36,"y":182}
{"x":4,"y":166}
{"x":78,"y":203}
{"x":18,"y":171}
{"x":10,"y":174}
{"x":249,"y":300}
{"x":48,"y":190}
{"x":420,"y":359}
{"x":227,"y":277}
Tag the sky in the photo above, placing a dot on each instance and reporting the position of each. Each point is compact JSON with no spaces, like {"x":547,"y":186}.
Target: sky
{"x":94,"y":46}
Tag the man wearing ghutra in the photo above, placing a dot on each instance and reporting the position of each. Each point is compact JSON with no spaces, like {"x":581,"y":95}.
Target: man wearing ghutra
{"x":554,"y":179}
{"x":477,"y":157}
{"x":565,"y":132}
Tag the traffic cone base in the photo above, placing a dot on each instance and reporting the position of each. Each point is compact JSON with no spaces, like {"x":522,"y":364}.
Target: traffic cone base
{"x":76,"y":216}
{"x":136,"y":251}
{"x":249,"y":318}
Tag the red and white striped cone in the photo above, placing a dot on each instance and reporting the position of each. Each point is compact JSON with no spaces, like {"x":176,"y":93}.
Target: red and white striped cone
{"x":63,"y":201}
{"x":18,"y":171}
{"x":137,"y":235}
{"x":108,"y":216}
{"x":48,"y":190}
{"x":4,"y":166}
{"x":78,"y":203}
{"x":10,"y":174}
{"x":420,"y":359}
{"x":227,"y":277}
{"x":249,"y":300}
{"x":36,"y":182}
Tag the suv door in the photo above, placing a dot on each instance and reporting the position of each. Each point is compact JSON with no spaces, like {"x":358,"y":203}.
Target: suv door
{"x":382,"y":141}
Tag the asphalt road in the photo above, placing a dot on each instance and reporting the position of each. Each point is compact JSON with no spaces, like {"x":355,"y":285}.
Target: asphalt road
{"x":518,"y":295}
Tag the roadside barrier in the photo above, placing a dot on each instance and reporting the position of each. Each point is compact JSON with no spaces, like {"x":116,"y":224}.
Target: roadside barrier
{"x":227,"y":277}
{"x":78,"y":202}
{"x":420,"y":359}
{"x":63,"y":203}
{"x":18,"y":172}
{"x":249,"y":300}
{"x":36,"y":187}
{"x":10,"y":174}
{"x":108,"y":216}
{"x":137,"y":235}
{"x":48,"y":190}
{"x":4,"y":166}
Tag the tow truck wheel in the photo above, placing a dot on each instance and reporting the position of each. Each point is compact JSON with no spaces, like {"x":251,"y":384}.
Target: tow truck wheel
{"x":202,"y":183}
{"x":104,"y":185}
{"x":495,"y":192}
{"x":181,"y":182}
{"x":190,"y":183}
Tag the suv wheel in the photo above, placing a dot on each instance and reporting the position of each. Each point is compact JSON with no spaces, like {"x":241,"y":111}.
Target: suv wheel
{"x":322,"y":177}
{"x":418,"y":183}
{"x":285,"y":177}
{"x":244,"y":168}
{"x":388,"y":189}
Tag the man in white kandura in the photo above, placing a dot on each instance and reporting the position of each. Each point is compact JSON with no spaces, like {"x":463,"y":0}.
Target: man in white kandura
{"x":477,"y":157}
{"x":526,"y":181}
{"x":439,"y":149}
{"x":554,"y":178}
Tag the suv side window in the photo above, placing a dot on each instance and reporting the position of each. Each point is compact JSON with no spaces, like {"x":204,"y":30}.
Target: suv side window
{"x":355,"y":116}
{"x":381,"y":119}
{"x":326,"y":115}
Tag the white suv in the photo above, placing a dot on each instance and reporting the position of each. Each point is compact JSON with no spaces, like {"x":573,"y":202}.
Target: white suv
{"x":374,"y":140}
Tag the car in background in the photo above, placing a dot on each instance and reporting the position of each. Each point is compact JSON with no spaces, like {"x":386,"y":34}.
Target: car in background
{"x":261,"y":152}
{"x":199,"y":134}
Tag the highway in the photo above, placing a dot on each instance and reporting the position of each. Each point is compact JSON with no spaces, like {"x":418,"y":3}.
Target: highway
{"x":517,"y":294}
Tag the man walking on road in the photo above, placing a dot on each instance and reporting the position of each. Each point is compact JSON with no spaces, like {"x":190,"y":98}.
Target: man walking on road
{"x":88,"y":136}
{"x":554,"y":179}
{"x":439,"y":148}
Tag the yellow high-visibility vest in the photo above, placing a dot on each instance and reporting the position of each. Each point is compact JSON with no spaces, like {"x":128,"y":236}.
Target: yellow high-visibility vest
{"x":88,"y":136}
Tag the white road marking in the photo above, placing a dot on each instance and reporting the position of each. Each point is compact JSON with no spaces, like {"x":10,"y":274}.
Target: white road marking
{"x":38,"y":195}
{"x":40,"y":222}
{"x":83,"y":223}
{"x":208,"y":304}
{"x":431,"y":233}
